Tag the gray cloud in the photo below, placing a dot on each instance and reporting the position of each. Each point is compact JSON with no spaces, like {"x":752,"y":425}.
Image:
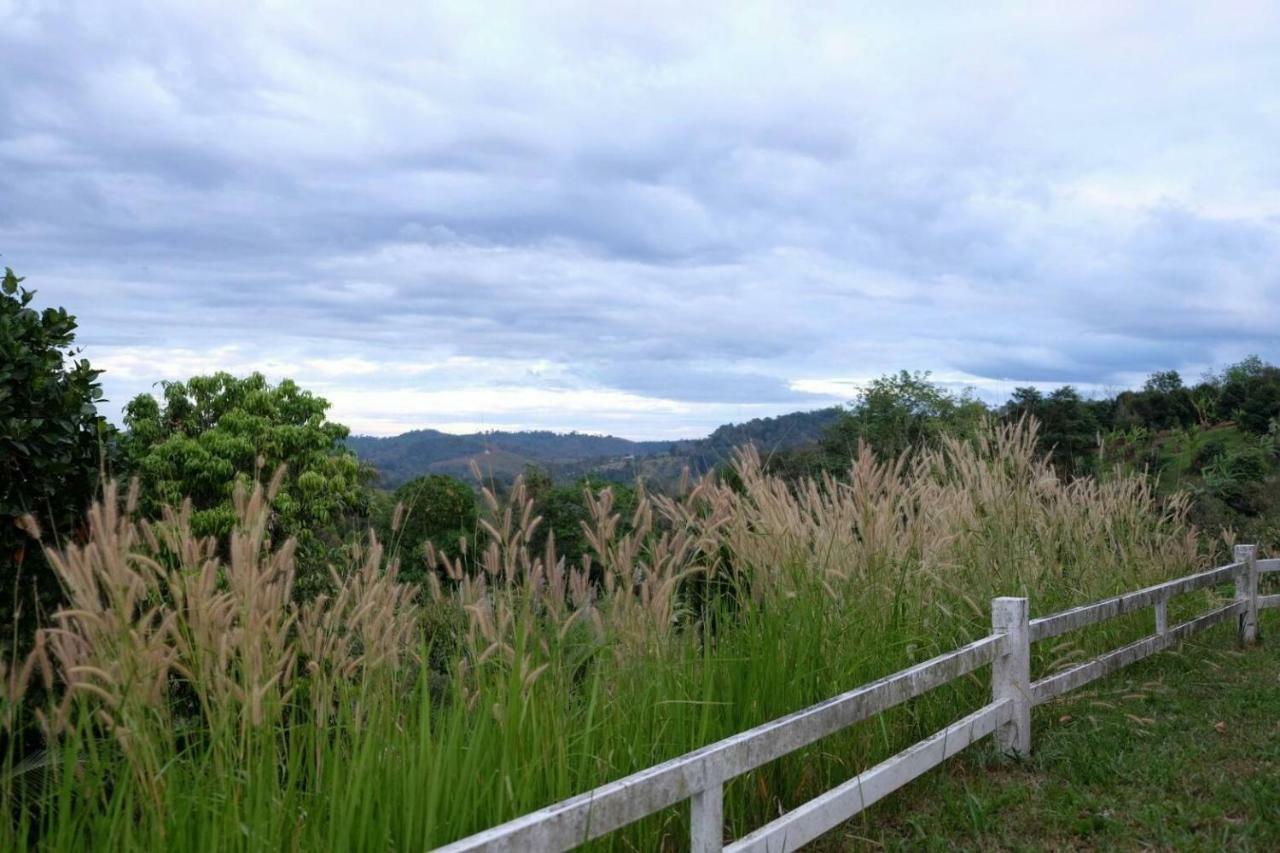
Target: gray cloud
{"x":583,"y":219}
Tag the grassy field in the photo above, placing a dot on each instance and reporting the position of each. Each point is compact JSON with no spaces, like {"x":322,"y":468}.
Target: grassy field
{"x":186,"y":701}
{"x":1181,"y":752}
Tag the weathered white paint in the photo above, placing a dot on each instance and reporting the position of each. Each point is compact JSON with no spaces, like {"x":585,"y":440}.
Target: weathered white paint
{"x":1011,"y":673}
{"x":706,"y":820}
{"x":827,"y":811}
{"x":1271,"y":564}
{"x":1162,"y":617}
{"x":1088,"y":614}
{"x":579,"y":819}
{"x":1247,"y":592}
{"x":1080,"y":675}
{"x":1265,"y":601}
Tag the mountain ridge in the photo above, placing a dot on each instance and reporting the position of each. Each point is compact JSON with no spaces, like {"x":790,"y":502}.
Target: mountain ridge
{"x":501,"y":455}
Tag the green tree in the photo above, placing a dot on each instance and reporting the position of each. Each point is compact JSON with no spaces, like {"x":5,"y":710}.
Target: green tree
{"x":1069,"y":424}
{"x":437,"y":509}
{"x":564,"y":511}
{"x":210,"y":432}
{"x":1069,"y":430}
{"x":52,"y":444}
{"x":1163,"y":403}
{"x":538,"y":482}
{"x":899,"y":411}
{"x":1205,"y":400}
{"x":1250,"y":394}
{"x":1025,"y":402}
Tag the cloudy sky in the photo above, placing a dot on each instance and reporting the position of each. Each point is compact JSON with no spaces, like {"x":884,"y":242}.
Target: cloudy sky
{"x":645,"y":219}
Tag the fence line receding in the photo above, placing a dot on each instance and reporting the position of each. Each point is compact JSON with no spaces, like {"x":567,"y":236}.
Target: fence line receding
{"x":700,"y":776}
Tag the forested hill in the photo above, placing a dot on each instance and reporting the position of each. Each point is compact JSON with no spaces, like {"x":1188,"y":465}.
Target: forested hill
{"x":785,"y":432}
{"x":567,"y":456}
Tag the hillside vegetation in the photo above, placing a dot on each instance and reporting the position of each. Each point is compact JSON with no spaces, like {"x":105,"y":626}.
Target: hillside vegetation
{"x":501,"y":455}
{"x":225,"y":712}
{"x":566,"y":457}
{"x":1217,"y":441}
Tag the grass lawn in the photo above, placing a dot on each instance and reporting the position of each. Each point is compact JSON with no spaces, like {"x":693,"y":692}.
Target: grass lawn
{"x":1180,"y":751}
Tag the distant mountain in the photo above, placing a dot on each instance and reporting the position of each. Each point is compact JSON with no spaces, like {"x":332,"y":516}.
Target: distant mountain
{"x":499,"y":454}
{"x":569,"y":456}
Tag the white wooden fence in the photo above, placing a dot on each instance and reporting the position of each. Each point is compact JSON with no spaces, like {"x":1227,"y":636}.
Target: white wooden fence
{"x":699,"y":776}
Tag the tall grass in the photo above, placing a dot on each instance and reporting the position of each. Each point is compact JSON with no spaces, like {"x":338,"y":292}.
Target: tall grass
{"x":186,"y":702}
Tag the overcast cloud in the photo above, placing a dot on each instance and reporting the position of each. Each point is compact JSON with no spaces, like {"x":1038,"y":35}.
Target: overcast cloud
{"x":645,"y":219}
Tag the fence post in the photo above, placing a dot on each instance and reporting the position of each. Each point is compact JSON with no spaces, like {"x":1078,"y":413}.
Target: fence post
{"x":1011,"y":673}
{"x":1247,"y":591}
{"x":706,"y":819}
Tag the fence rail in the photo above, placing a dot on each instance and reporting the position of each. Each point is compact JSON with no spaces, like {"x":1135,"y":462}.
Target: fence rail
{"x":699,"y":776}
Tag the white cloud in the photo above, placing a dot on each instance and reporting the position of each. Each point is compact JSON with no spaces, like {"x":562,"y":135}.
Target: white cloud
{"x":574,"y":216}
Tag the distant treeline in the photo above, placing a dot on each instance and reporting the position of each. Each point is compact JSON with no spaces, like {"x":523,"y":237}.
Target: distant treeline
{"x":1216,"y":439}
{"x":904,"y":409}
{"x":566,"y":457}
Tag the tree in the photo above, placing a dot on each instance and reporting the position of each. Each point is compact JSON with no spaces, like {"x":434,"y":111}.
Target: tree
{"x":1025,"y":402}
{"x":1070,"y":429}
{"x":1250,"y":394}
{"x":211,"y":432}
{"x":1165,"y":382}
{"x":437,"y":509}
{"x":1206,"y":400}
{"x":899,"y":411}
{"x":1163,"y":403}
{"x":1069,"y":424}
{"x":564,"y":511}
{"x":52,"y":443}
{"x":538,"y":482}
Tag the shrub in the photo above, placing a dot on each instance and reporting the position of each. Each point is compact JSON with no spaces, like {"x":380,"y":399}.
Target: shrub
{"x":1209,"y":452}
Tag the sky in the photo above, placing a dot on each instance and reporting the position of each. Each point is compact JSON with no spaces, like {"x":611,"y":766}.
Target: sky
{"x":643,"y":219}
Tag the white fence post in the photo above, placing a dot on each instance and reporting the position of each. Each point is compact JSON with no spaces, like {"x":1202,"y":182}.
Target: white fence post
{"x":706,"y":820}
{"x":1011,"y":673}
{"x":1247,"y":592}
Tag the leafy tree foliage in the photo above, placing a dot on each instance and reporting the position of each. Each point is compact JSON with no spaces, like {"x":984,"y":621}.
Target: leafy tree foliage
{"x":438,"y":509}
{"x":538,"y":482}
{"x":1250,"y":394}
{"x":1206,"y":399}
{"x":443,"y":510}
{"x":564,"y":511}
{"x":1163,"y":403}
{"x":209,"y":432}
{"x":52,"y":442}
{"x":899,"y":411}
{"x":1069,"y":424}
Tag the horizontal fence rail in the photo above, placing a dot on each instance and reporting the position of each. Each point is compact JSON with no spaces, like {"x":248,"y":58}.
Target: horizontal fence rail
{"x":802,"y":825}
{"x":827,"y":811}
{"x":1091,"y":614}
{"x":699,"y":776}
{"x":1080,"y":675}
